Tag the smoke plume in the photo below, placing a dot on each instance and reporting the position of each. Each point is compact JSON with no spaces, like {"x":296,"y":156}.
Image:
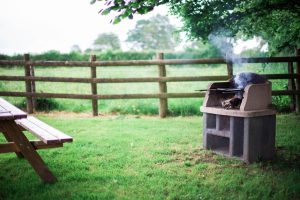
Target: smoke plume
{"x":225,"y":46}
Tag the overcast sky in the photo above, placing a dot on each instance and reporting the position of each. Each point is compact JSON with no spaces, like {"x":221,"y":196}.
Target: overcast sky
{"x":37,"y":25}
{"x":34,"y":26}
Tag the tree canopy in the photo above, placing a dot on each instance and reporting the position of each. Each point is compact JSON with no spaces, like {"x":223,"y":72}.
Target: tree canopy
{"x":76,"y":48}
{"x":106,"y":41}
{"x":275,"y":21}
{"x":155,"y":33}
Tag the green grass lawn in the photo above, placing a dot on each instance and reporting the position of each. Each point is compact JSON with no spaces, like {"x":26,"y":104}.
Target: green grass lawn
{"x":182,"y":107}
{"x":128,"y":157}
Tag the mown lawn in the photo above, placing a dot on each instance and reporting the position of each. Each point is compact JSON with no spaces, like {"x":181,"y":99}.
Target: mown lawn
{"x":128,"y":157}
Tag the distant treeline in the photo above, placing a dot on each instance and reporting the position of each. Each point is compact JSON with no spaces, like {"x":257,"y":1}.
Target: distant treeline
{"x":126,"y":55}
{"x":111,"y":55}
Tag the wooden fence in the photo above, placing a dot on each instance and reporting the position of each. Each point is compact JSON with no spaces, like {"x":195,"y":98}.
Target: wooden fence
{"x":30,"y":79}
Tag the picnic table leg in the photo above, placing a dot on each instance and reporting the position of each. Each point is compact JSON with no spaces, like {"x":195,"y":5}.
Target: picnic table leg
{"x":27,"y":150}
{"x":18,"y":153}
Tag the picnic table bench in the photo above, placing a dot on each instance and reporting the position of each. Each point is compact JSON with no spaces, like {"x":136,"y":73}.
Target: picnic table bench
{"x":13,"y":122}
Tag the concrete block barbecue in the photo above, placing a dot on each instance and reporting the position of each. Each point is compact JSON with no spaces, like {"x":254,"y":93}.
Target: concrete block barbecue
{"x":247,"y":132}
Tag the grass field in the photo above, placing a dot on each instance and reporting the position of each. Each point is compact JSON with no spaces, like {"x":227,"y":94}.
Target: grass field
{"x":127,"y":157}
{"x":177,"y":107}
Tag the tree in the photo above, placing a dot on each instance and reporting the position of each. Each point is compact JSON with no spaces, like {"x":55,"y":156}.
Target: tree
{"x":154,"y":34}
{"x":75,"y":48}
{"x":88,"y":50}
{"x":275,"y":21}
{"x":107,"y":41}
{"x":204,"y":50}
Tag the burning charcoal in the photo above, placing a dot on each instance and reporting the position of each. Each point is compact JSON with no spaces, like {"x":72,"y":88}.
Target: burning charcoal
{"x":240,"y":81}
{"x":231,"y":103}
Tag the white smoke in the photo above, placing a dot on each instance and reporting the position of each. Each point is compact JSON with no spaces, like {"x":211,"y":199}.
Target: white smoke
{"x":225,"y":46}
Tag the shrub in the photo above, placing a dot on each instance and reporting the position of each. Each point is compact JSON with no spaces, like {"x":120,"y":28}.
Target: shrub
{"x":42,"y":104}
{"x":109,"y":55}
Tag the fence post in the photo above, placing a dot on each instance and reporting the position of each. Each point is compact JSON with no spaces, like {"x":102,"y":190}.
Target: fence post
{"x":163,"y":101}
{"x":33,"y":90}
{"x":94,"y":85}
{"x":298,"y":82}
{"x":29,"y":99}
{"x":291,"y":85}
{"x":230,"y":69}
{"x":229,"y":66}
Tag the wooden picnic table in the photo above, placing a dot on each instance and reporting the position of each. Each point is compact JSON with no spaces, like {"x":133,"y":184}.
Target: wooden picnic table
{"x":13,"y":122}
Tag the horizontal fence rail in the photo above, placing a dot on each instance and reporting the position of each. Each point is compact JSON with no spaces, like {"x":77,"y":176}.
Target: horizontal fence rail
{"x":105,"y":96}
{"x":150,"y":62}
{"x":137,"y":80}
{"x":162,"y":79}
{"x":126,"y":96}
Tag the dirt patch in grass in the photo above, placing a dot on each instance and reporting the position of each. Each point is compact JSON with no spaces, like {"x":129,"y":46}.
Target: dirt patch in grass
{"x":193,"y":157}
{"x":284,"y":160}
{"x":200,"y":155}
{"x":66,"y":114}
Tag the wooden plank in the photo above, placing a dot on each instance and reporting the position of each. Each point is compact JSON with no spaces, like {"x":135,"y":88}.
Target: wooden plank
{"x":135,"y":80}
{"x":41,"y":145}
{"x":12,"y":147}
{"x":108,"y":96}
{"x":281,"y":76}
{"x":28,"y":151}
{"x":116,"y":80}
{"x":4,"y":115}
{"x":8,"y":148}
{"x":9,"y":111}
{"x":37,"y":131}
{"x":53,"y":131}
{"x":9,"y":139}
{"x":150,"y":62}
{"x":285,"y":92}
{"x":127,"y":96}
{"x":46,"y":79}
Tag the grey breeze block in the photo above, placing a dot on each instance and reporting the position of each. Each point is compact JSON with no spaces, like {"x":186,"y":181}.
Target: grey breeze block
{"x":248,"y":138}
